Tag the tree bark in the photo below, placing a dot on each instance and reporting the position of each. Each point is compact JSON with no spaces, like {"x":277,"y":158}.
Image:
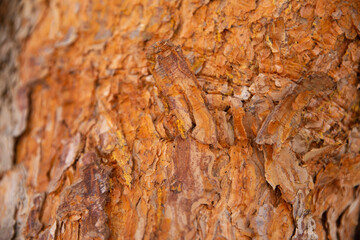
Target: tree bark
{"x":179,"y":119}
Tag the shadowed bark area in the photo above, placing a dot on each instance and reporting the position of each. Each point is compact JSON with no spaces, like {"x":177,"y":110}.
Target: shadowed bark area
{"x":179,"y":119}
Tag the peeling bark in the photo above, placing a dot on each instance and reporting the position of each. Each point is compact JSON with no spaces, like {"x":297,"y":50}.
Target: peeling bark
{"x":179,"y":119}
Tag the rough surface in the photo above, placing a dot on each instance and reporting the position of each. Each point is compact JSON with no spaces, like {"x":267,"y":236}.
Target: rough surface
{"x":180,"y":119}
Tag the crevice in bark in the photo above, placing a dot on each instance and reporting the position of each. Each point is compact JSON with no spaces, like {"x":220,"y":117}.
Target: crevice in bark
{"x":324,"y":222}
{"x":79,"y":230}
{"x":357,"y":230}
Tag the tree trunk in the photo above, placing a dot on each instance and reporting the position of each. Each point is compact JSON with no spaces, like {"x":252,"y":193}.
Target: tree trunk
{"x":179,"y":119}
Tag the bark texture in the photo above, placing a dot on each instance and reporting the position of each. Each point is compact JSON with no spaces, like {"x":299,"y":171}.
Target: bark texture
{"x":179,"y":119}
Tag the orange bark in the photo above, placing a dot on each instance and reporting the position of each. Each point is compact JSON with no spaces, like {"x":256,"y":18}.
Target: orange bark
{"x":181,"y":120}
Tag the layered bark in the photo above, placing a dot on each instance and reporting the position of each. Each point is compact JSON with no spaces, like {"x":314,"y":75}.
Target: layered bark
{"x":181,"y":120}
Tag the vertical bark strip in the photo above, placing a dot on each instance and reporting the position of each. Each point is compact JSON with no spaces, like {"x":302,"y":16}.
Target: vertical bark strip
{"x":181,"y":89}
